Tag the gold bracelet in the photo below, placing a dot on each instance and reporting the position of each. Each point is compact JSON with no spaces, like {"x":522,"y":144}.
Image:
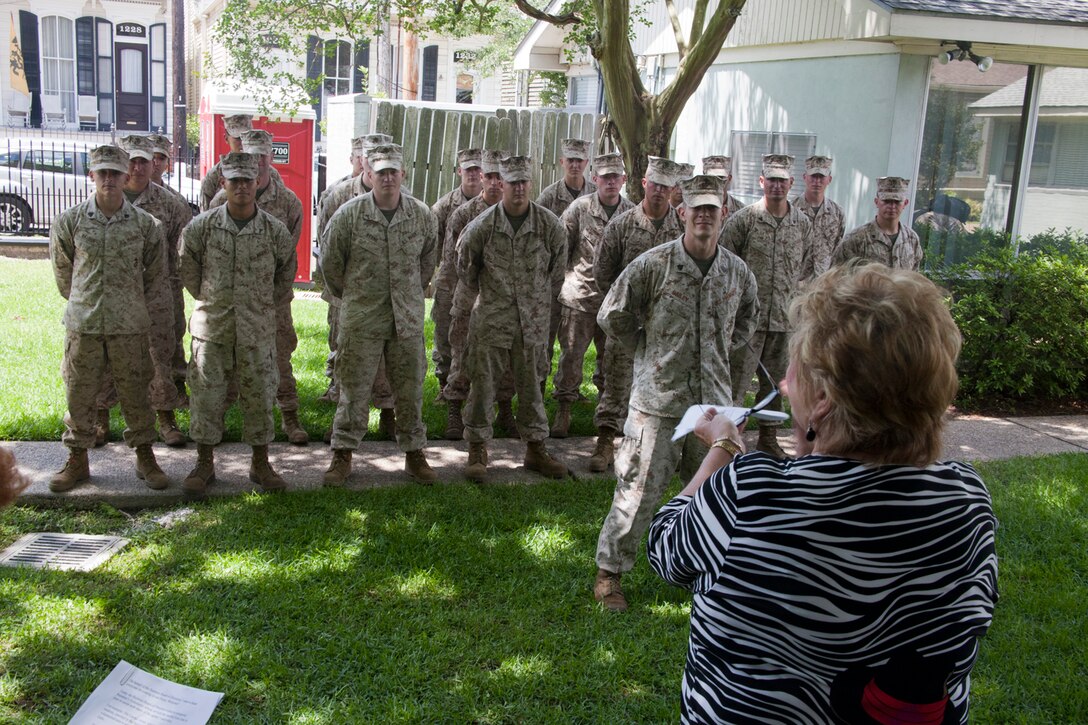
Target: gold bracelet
{"x":728,"y":446}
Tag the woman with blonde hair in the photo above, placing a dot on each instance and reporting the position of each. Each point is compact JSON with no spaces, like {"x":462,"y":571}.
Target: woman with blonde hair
{"x":852,"y":583}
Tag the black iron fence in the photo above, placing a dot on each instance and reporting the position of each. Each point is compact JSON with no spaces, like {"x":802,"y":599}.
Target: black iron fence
{"x":42,"y":173}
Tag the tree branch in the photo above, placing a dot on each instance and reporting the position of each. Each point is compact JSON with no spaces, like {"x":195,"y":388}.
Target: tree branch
{"x":571,"y":18}
{"x":677,"y":31}
{"x":698,"y":20}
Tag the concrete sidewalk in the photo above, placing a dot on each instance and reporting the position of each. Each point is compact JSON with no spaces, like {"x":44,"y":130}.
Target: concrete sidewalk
{"x":380,"y":463}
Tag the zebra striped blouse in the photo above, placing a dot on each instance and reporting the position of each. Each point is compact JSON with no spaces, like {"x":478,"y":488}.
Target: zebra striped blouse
{"x":803,"y":568}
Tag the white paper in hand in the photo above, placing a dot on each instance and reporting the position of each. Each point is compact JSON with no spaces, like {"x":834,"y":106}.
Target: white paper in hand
{"x":737,"y":415}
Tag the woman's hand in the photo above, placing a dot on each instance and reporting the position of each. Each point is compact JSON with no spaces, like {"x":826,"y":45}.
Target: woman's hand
{"x":712,"y":426}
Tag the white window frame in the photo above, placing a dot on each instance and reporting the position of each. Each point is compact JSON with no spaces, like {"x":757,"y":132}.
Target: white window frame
{"x":56,"y":67}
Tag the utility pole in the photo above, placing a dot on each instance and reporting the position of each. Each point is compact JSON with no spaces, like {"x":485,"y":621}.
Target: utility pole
{"x":181,"y":142}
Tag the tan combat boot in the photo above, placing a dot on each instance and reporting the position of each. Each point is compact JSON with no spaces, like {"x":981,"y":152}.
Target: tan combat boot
{"x":476,"y":470}
{"x":339,"y":469}
{"x":261,"y":472}
{"x":76,"y":470}
{"x":102,"y":429}
{"x":768,"y":442}
{"x":607,"y":591}
{"x":387,"y":423}
{"x":455,"y":426}
{"x":538,"y":459}
{"x":507,"y":423}
{"x":147,"y":468}
{"x":196,"y":483}
{"x":415,"y":463}
{"x":561,"y":426}
{"x":291,"y":427}
{"x":605,"y":452}
{"x":168,"y":429}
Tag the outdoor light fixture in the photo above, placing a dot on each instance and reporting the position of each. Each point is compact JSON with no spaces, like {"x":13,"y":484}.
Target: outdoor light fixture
{"x":963,"y":51}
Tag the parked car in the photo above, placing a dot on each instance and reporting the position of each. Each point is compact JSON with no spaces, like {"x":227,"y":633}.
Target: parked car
{"x":38,"y":180}
{"x":179,"y":180}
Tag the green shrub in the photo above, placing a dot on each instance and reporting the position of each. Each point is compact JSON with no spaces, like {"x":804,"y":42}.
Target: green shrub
{"x":1024,"y":320}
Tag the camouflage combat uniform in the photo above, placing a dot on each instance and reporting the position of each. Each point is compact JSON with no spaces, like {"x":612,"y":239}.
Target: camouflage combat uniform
{"x":239,"y":278}
{"x":517,"y":275}
{"x":381,"y":396}
{"x":868,"y":242}
{"x":211,"y":184}
{"x":732,"y":205}
{"x":584,"y":221}
{"x":457,"y":381}
{"x":163,"y":338}
{"x":680,"y":326}
{"x":179,"y":304}
{"x":626,"y":237}
{"x":443,"y":209}
{"x":776,"y":252}
{"x":111,"y":270}
{"x":379,"y":269}
{"x":556,"y":198}
{"x":828,"y":225}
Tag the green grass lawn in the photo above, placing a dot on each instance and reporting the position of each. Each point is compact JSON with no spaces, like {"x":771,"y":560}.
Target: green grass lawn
{"x":31,"y":344}
{"x":460,"y":603}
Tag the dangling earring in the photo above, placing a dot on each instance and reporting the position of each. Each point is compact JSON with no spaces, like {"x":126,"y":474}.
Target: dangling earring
{"x":810,"y":434}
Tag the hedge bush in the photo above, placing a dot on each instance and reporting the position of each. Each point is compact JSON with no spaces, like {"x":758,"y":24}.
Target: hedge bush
{"x":1024,"y":318}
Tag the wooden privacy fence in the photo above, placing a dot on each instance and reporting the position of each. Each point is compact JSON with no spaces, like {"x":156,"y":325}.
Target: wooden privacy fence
{"x":431,"y":136}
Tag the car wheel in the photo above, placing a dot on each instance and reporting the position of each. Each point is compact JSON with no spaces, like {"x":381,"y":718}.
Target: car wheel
{"x":15,"y":215}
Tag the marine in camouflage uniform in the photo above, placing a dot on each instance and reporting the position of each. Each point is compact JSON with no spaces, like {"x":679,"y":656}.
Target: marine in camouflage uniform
{"x":378,"y":257}
{"x":213,"y":180}
{"x":650,"y":224}
{"x":884,"y":239}
{"x":470,"y":171}
{"x":679,"y":309}
{"x":381,"y":396}
{"x":771,"y":236}
{"x":282,"y":203}
{"x":556,"y":197}
{"x":457,"y":384}
{"x":107,"y":258}
{"x":722,"y":167}
{"x":828,"y":223}
{"x":174,"y":214}
{"x":584,"y":221}
{"x":238,"y":262}
{"x":514,"y":254}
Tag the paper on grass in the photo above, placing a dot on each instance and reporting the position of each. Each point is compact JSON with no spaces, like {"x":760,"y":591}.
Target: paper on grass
{"x":737,"y":415}
{"x":130,"y":696}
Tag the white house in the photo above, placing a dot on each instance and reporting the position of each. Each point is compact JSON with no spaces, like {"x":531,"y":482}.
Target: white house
{"x":91,"y":65}
{"x":852,"y":78}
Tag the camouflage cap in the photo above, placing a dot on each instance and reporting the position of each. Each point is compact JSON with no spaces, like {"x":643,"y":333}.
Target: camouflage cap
{"x":662,"y":171}
{"x":161,"y":143}
{"x":385,"y":156}
{"x":608,"y":164}
{"x":470,"y":159}
{"x":374,"y":139}
{"x":516,"y":168}
{"x":138,"y":147}
{"x":238,"y":124}
{"x":686,"y":172}
{"x":108,"y":157}
{"x":258,"y":141}
{"x":818,"y":165}
{"x":238,"y":165}
{"x":357,"y":146}
{"x":492,"y":161}
{"x":777,"y":166}
{"x":703,"y":190}
{"x":718,"y":166}
{"x":574,"y":148}
{"x":892,"y":188}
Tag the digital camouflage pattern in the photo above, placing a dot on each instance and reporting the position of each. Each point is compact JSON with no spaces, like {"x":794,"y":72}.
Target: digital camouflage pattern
{"x":828,"y":225}
{"x":211,"y":184}
{"x":868,"y":242}
{"x":86,"y":359}
{"x":516,"y":275}
{"x":775,"y":251}
{"x":584,"y":221}
{"x":443,"y":208}
{"x":557,"y":197}
{"x":379,"y":268}
{"x":625,"y":237}
{"x":680,"y":326}
{"x":213,"y":368}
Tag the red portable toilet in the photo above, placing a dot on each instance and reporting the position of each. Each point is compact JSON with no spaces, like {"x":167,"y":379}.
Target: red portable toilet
{"x":292,"y":148}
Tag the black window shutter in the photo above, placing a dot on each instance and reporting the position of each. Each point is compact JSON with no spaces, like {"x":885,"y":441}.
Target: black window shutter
{"x":28,"y":34}
{"x":361,"y":82}
{"x":430,"y":73}
{"x":85,"y":56}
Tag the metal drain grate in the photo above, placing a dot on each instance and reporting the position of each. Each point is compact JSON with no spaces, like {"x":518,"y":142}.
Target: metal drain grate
{"x":69,"y":552}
